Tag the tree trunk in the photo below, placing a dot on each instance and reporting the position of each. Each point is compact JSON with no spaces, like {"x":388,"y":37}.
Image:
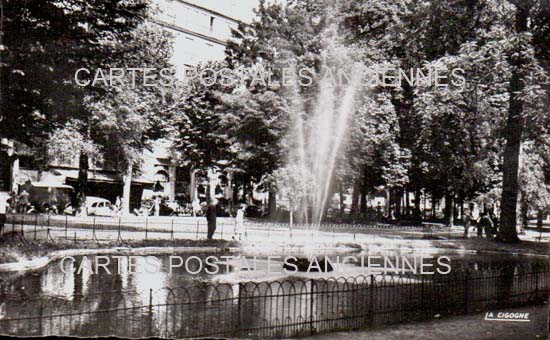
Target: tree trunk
{"x":192,"y":184}
{"x":513,"y":136}
{"x":408,"y":203}
{"x":272,"y":202}
{"x":449,"y":209}
{"x":398,"y":201}
{"x":290,"y":213}
{"x":82,"y":190}
{"x":355,"y":197}
{"x":417,"y":208}
{"x":342,"y":199}
{"x":540,"y":219}
{"x":434,"y":206}
{"x":524,"y":210}
{"x":363,"y":201}
{"x":126,"y":190}
{"x":243,"y":197}
{"x":236,"y":189}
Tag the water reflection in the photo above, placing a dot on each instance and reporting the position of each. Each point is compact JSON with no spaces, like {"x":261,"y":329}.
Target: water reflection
{"x":84,"y":302}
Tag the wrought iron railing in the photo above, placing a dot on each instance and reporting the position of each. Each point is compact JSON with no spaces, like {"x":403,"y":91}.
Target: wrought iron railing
{"x":279,"y":309}
{"x":114,"y":229}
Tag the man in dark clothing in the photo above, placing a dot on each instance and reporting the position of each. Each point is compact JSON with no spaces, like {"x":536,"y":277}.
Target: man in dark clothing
{"x":3,"y":211}
{"x":485,"y":223}
{"x":211,"y":218}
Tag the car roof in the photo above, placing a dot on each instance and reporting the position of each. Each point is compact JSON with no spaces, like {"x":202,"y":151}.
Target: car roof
{"x":91,"y":199}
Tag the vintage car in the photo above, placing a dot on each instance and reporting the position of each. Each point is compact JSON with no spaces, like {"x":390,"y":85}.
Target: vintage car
{"x":50,"y":197}
{"x":97,"y":206}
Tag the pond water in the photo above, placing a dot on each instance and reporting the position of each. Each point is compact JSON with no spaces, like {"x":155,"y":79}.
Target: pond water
{"x":190,"y":295}
{"x":67,"y":278}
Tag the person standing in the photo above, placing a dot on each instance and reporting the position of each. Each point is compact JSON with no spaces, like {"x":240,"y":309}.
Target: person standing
{"x":23,"y":200}
{"x":239,"y":224}
{"x":211,"y":218}
{"x":118,"y":205}
{"x":3,"y":211}
{"x":467,"y":222}
{"x":157,"y":206}
{"x":12,"y":202}
{"x":485,"y":223}
{"x":474,"y":219}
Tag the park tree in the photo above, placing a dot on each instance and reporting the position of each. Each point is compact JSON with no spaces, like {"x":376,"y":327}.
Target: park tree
{"x":43,"y":43}
{"x":126,"y":118}
{"x":410,"y":34}
{"x":525,"y":93}
{"x":504,"y":92}
{"x":260,"y":113}
{"x":534,"y":181}
{"x":375,"y":157}
{"x":196,"y":123}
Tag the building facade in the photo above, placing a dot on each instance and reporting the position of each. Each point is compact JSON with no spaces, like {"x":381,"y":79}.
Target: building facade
{"x":201,"y":29}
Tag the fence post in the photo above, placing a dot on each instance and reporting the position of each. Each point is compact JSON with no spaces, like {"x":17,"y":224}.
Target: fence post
{"x":35,"y":225}
{"x":466,"y":278}
{"x":22,"y":227}
{"x":13,"y":227}
{"x":172,"y":230}
{"x":119,"y":237}
{"x":150,"y":330}
{"x":239,"y":312}
{"x":311,"y":305}
{"x":371,"y":299}
{"x":197,"y":236}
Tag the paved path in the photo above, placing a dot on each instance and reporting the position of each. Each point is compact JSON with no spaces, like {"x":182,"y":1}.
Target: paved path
{"x":139,"y":228}
{"x":470,"y":327}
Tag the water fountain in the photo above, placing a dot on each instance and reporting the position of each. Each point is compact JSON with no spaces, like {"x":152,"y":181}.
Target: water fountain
{"x":318,"y":136}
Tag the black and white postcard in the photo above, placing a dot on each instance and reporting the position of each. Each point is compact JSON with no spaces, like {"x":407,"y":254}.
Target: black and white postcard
{"x":275,"y":169}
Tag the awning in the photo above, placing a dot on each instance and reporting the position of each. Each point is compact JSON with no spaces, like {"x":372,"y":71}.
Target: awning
{"x":51,"y":184}
{"x":102,"y":177}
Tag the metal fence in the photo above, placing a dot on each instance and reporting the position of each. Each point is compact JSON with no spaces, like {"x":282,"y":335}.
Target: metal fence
{"x":289,"y":308}
{"x":120,"y":230}
{"x":426,"y":230}
{"x":108,"y":229}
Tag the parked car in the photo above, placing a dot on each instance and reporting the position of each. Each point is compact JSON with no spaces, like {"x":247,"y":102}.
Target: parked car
{"x":50,"y":197}
{"x":97,"y":206}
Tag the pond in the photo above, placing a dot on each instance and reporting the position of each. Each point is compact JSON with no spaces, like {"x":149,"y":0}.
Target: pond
{"x":68,"y":298}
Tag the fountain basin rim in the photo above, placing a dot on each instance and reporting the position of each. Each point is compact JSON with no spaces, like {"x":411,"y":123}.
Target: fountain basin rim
{"x":41,"y":262}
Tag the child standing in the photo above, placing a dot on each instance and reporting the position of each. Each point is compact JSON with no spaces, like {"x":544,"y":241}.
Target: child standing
{"x":239,"y":224}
